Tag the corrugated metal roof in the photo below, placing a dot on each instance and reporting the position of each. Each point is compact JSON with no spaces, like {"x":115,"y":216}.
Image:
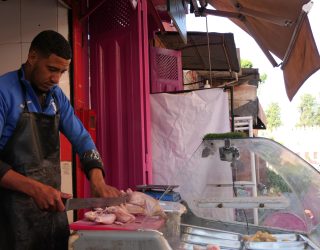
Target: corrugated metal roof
{"x":195,"y":54}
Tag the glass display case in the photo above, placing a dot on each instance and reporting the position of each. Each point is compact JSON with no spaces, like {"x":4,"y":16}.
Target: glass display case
{"x":246,"y":185}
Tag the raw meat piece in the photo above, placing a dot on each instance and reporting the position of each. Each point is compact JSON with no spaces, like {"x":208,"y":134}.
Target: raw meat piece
{"x":149,"y":204}
{"x":139,"y":203}
{"x":106,"y":219}
{"x":90,"y":215}
{"x":121,"y":213}
{"x":100,"y":216}
{"x":135,"y":209}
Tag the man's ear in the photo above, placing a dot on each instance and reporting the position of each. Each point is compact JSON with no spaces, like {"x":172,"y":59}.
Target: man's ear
{"x":32,"y":57}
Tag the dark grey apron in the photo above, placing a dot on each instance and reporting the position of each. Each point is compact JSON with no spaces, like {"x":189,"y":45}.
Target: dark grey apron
{"x":34,"y":151}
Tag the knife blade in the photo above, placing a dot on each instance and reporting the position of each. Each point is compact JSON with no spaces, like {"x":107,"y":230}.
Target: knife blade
{"x":80,"y":203}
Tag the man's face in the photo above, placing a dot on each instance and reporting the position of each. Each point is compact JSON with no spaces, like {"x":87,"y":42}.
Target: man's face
{"x":46,"y":72}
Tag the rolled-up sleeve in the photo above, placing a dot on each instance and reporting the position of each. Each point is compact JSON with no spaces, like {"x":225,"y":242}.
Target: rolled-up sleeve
{"x":91,"y":159}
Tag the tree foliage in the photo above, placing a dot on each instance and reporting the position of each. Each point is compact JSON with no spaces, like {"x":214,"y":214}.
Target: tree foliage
{"x":246,"y":64}
{"x":276,"y":182}
{"x":309,"y":110}
{"x":273,"y":114}
{"x":263,"y":77}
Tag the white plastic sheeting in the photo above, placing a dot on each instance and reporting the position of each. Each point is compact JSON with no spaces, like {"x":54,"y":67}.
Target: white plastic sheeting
{"x":179,"y":122}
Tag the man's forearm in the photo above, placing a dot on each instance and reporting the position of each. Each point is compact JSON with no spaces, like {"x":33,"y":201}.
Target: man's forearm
{"x":99,"y":186}
{"x":97,"y":181}
{"x":46,"y":197}
{"x":96,"y":174}
{"x":15,"y":181}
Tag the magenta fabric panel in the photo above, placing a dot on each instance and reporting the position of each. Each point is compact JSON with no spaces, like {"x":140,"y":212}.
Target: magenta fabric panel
{"x":120,"y":91}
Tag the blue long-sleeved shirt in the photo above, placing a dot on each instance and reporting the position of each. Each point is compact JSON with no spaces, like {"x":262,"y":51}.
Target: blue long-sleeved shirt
{"x":12,"y":100}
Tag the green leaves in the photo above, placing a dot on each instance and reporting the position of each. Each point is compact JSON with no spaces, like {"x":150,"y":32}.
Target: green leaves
{"x":229,"y":135}
{"x":273,"y":114}
{"x":309,"y":110}
{"x":246,"y":64}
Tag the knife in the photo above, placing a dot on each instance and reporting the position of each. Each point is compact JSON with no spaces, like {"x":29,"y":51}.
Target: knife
{"x":80,"y":203}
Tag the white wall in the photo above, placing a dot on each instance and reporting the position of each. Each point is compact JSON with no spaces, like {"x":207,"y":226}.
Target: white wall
{"x":20,"y":21}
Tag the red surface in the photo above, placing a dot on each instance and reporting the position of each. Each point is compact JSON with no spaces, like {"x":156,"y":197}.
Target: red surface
{"x":140,"y":223}
{"x":285,"y":220}
{"x":65,"y":149}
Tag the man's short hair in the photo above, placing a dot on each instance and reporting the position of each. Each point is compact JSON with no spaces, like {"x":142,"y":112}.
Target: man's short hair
{"x":51,"y":42}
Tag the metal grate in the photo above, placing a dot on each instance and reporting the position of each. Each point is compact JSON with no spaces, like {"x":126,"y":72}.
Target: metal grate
{"x":113,"y":15}
{"x":167,"y":67}
{"x":166,"y":70}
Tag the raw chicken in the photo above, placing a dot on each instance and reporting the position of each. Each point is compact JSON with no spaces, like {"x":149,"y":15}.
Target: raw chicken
{"x":106,"y":219}
{"x":138,"y":203}
{"x":91,"y":215}
{"x":121,"y":213}
{"x":110,"y":215}
{"x":134,"y":209}
{"x":150,"y":205}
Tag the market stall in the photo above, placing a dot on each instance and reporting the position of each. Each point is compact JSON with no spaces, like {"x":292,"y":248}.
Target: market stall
{"x":266,"y":197}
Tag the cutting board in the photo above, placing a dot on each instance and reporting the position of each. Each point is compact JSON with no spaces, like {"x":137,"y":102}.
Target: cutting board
{"x":141,"y":222}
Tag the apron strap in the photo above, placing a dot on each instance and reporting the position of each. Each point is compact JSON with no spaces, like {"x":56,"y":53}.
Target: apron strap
{"x":24,"y":90}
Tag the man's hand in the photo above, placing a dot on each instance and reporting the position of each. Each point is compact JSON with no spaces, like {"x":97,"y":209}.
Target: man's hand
{"x":46,"y":197}
{"x":49,"y":199}
{"x":99,"y":188}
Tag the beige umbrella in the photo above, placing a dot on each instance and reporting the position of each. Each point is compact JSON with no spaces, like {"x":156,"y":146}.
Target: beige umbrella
{"x":281,"y":28}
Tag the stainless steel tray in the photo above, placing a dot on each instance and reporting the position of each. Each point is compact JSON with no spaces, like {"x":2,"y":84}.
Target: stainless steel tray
{"x":286,"y":237}
{"x":187,"y":246}
{"x":285,"y":245}
{"x":210,"y":233}
{"x":204,"y":240}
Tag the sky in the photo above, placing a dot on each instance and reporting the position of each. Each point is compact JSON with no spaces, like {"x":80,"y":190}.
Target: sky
{"x":273,"y":90}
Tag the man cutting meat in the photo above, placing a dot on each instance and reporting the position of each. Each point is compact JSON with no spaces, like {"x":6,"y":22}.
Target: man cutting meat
{"x":33,"y":110}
